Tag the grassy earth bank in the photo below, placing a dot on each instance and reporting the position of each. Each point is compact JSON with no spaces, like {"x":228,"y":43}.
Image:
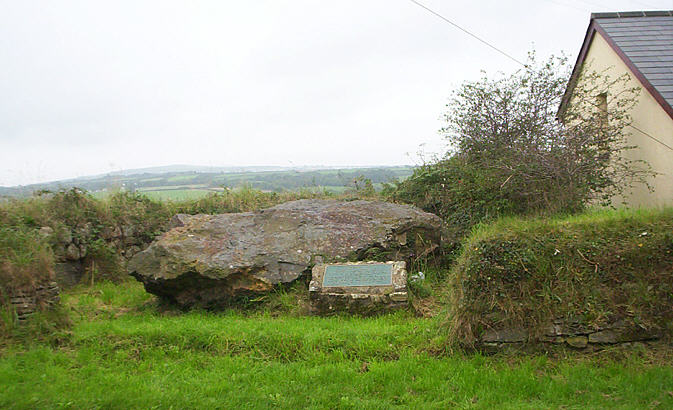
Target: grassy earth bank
{"x":594,"y":269}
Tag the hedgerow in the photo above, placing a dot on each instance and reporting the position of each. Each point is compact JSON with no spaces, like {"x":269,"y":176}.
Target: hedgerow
{"x":595,"y":268}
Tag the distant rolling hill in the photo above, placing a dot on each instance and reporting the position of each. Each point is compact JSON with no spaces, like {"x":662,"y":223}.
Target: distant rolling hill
{"x":178,"y":182}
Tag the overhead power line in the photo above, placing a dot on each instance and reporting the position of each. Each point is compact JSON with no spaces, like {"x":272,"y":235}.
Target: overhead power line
{"x":468,"y":33}
{"x":651,"y":137}
{"x":512,"y":58}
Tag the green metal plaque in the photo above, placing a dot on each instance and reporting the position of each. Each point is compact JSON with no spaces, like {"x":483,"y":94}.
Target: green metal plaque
{"x":358,"y":275}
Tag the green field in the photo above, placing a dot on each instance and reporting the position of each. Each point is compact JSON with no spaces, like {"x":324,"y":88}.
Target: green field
{"x":181,"y":178}
{"x":161,"y":188}
{"x":126,"y":351}
{"x":177,"y":194}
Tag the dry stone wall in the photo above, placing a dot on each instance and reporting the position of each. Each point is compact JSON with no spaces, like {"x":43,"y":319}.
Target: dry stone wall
{"x":71,"y":250}
{"x":26,"y":302}
{"x":569,"y":333}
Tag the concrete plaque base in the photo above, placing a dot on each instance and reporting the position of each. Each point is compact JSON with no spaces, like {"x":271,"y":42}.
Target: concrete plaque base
{"x":358,"y":287}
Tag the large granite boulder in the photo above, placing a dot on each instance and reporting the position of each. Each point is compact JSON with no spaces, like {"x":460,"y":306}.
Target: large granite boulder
{"x":210,"y":260}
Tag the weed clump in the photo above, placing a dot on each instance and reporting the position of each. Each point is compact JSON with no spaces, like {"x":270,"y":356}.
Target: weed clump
{"x":25,"y":259}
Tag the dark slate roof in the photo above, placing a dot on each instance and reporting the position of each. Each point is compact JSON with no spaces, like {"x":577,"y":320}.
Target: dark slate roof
{"x":644,"y":41}
{"x":648,"y":42}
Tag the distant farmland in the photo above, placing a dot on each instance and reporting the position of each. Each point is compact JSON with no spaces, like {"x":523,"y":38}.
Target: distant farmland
{"x":177,"y":194}
{"x":195,"y":184}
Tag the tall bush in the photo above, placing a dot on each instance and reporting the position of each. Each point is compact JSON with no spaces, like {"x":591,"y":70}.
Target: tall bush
{"x":512,"y":152}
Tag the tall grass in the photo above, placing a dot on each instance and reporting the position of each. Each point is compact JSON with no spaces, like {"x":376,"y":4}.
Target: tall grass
{"x":25,"y":258}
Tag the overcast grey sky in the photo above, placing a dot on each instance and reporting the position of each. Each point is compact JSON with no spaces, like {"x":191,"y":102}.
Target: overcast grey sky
{"x":88,"y":87}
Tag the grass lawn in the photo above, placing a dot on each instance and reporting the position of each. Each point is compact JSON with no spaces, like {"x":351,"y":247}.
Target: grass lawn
{"x":125,"y":350}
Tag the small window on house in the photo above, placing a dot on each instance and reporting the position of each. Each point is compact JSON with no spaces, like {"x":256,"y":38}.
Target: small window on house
{"x":602,"y":105}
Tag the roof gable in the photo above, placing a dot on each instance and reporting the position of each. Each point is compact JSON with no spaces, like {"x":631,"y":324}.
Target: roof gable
{"x":644,"y":41}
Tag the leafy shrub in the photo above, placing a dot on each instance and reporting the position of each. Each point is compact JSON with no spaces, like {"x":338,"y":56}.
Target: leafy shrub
{"x":75,"y":209}
{"x":420,"y":288}
{"x":510,"y":155}
{"x":144,"y":218}
{"x":103,"y":262}
{"x":459,"y":192}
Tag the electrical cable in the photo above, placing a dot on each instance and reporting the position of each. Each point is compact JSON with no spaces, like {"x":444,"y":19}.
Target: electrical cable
{"x":650,"y":136}
{"x":512,"y":58}
{"x":468,"y":32}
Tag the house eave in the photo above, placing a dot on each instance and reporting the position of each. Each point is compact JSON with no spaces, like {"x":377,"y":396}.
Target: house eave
{"x":588,"y":38}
